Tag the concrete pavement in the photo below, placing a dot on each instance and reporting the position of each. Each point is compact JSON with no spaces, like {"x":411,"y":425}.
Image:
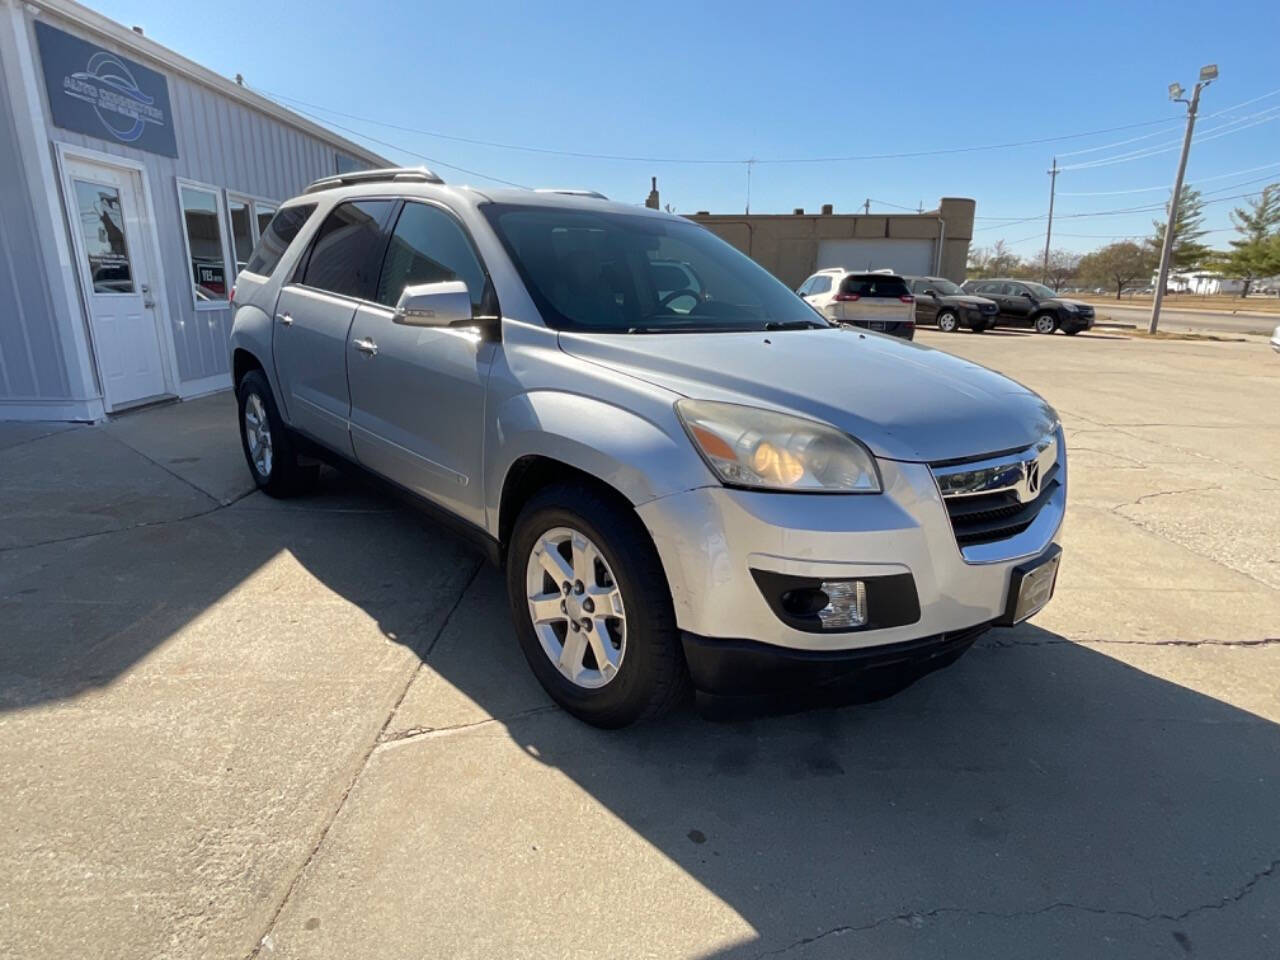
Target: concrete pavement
{"x":235,"y":727}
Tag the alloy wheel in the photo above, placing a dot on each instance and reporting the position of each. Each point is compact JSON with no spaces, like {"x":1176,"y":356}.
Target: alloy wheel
{"x":576,"y":607}
{"x":947,"y":323}
{"x":257,"y":435}
{"x":1044,"y":323}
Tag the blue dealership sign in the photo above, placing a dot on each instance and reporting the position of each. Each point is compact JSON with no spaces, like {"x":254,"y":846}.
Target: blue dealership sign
{"x":97,"y":92}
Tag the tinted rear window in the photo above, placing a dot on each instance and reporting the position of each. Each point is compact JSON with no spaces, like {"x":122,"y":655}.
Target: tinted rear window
{"x":276,"y":238}
{"x":348,"y":247}
{"x":875,"y":285}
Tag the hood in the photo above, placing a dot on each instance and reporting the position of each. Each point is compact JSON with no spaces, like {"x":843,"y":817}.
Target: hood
{"x":1078,"y":304}
{"x":903,"y":400}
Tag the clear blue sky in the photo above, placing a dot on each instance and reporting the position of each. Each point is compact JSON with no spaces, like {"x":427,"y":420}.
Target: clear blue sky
{"x":775,"y":80}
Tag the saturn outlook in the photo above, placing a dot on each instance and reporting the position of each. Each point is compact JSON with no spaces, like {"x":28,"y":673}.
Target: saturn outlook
{"x":689,"y":477}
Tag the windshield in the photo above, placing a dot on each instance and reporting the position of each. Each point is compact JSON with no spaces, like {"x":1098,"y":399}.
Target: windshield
{"x":944,"y":287}
{"x":621,"y":273}
{"x":1041,"y":291}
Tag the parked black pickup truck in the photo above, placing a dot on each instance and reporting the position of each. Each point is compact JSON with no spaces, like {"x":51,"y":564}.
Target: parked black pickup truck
{"x":1026,"y":304}
{"x":940,"y":301}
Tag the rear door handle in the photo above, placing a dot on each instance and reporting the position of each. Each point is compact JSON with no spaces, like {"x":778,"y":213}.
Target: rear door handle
{"x":285,"y":319}
{"x":366,"y":346}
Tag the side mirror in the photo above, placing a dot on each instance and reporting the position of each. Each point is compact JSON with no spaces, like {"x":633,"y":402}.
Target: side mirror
{"x":445,"y":304}
{"x":931,"y":293}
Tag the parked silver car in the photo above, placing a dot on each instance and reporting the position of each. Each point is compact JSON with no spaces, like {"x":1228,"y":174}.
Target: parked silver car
{"x":729,"y":491}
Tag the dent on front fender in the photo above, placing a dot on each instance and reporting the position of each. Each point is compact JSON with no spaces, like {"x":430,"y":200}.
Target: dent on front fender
{"x":640,"y":458}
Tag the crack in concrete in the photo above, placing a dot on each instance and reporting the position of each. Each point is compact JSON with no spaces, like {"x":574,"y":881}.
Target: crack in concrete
{"x":917,"y":918}
{"x":156,"y":463}
{"x":420,"y":732}
{"x":1161,"y":493}
{"x":133,"y":526}
{"x":264,"y":941}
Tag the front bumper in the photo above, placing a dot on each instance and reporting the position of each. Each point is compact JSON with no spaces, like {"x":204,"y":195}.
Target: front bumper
{"x":747,"y":668}
{"x":711,"y":538}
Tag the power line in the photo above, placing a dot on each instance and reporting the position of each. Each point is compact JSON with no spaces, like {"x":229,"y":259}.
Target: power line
{"x":1148,"y":136}
{"x":1233,"y":126}
{"x":413,"y":153}
{"x":1121,"y":211}
{"x":287,"y":100}
{"x":1165,"y":186}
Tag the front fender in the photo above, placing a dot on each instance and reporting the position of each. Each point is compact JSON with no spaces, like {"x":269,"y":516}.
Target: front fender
{"x":641,"y":458}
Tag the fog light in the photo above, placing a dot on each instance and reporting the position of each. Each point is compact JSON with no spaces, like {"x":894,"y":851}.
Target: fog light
{"x":846,"y":604}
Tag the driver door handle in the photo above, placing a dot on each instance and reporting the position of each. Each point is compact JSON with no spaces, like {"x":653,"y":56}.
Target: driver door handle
{"x":285,"y":319}
{"x":366,"y":346}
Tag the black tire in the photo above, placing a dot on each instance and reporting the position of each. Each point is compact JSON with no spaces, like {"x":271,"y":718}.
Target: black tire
{"x":1044,"y":323}
{"x":284,"y":476}
{"x":652,"y":676}
{"x":947,"y":321}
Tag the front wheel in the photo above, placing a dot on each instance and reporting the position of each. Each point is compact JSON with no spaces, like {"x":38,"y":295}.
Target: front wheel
{"x":947,"y":322}
{"x":1045,"y":323}
{"x":592,"y":609}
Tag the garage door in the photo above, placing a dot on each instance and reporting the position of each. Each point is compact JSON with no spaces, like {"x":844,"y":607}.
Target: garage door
{"x":912,"y":257}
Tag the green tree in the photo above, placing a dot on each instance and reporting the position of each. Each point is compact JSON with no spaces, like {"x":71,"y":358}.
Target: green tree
{"x":1257,"y":251}
{"x":1117,"y":265}
{"x":1188,"y":227}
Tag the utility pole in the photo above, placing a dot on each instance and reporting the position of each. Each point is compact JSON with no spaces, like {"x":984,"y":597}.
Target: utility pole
{"x":866,"y":207}
{"x":1048,"y":235}
{"x":1208,"y":74}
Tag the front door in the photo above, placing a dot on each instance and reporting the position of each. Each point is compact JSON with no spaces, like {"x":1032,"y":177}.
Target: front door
{"x":418,"y":393}
{"x":111,"y":236}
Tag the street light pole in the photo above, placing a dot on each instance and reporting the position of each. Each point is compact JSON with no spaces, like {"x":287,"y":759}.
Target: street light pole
{"x":1207,"y":75}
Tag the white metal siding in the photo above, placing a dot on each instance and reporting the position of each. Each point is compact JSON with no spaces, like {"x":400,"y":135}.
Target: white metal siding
{"x":222,"y":143}
{"x":32,"y":365}
{"x":912,"y":257}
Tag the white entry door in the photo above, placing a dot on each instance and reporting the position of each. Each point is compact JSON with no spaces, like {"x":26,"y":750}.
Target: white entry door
{"x":111,"y":237}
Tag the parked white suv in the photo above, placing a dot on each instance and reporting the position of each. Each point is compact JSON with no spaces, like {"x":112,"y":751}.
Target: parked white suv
{"x":878,"y":300}
{"x":686,"y":473}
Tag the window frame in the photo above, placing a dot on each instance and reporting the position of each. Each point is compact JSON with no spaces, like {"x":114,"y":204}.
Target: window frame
{"x":466,"y":233}
{"x":818,"y":278}
{"x":224,"y":237}
{"x":233,"y":196}
{"x":261,"y":205}
{"x":297,"y":276}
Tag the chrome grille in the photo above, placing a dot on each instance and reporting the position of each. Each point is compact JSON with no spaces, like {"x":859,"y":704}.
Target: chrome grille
{"x":995,"y":499}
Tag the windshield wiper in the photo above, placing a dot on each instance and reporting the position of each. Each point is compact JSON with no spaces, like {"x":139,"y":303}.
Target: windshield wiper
{"x":699,"y":328}
{"x":796,"y":325}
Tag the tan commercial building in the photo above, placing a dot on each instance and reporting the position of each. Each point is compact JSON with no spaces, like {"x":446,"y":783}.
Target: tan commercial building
{"x":792,"y":246}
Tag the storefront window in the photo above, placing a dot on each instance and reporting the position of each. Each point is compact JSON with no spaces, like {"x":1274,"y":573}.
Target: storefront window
{"x":102,"y":228}
{"x":203,"y":223}
{"x":242,"y":235}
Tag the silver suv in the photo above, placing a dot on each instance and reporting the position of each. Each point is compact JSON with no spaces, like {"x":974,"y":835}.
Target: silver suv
{"x":690,"y":479}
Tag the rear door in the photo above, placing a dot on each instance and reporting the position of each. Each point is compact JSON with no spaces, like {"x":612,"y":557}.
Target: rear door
{"x":418,"y":393}
{"x":314,"y":313}
{"x":818,"y":290}
{"x":874,"y":299}
{"x":1017,"y":303}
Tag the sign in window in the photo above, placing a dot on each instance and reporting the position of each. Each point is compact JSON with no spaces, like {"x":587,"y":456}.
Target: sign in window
{"x":203,"y":223}
{"x":102,"y":231}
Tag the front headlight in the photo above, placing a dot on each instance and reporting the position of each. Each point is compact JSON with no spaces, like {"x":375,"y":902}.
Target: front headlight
{"x":1070,"y":308}
{"x":750,"y":447}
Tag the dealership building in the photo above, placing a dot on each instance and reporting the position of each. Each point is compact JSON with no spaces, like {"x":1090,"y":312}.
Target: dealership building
{"x":133,"y":184}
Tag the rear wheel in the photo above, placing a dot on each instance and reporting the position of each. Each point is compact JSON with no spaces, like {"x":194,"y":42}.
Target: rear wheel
{"x":948,"y":322}
{"x":592,"y":609}
{"x":268,"y":444}
{"x":1045,"y":323}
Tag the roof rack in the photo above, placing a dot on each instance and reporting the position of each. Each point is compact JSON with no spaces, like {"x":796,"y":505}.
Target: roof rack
{"x":384,"y":175}
{"x":573,"y":192}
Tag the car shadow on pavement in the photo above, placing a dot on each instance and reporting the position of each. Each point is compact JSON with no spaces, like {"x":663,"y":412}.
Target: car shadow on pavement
{"x":1036,"y":788}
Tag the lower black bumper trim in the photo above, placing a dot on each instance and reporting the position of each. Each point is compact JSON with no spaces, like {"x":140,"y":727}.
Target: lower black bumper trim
{"x":749,"y":668}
